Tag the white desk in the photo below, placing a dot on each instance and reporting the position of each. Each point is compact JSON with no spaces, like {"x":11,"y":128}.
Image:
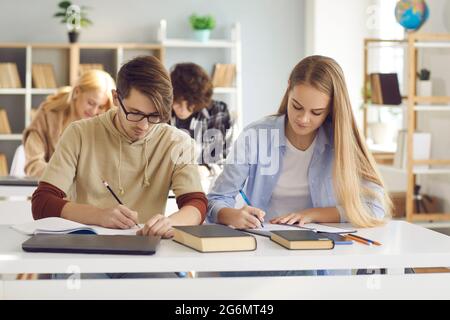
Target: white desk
{"x":404,"y":246}
{"x":16,"y":191}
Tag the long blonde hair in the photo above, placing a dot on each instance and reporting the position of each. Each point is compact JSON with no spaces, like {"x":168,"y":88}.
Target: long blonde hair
{"x":353,"y":162}
{"x":63,"y":99}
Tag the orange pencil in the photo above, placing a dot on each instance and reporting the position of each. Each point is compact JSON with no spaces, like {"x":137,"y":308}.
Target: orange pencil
{"x":350,"y":237}
{"x":368,"y":240}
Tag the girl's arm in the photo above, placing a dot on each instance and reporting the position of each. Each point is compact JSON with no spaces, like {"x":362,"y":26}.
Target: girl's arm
{"x":319,"y":215}
{"x":231,"y":180}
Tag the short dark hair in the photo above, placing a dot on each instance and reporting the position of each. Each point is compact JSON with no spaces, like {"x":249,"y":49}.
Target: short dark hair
{"x":191,"y":83}
{"x":147,"y":75}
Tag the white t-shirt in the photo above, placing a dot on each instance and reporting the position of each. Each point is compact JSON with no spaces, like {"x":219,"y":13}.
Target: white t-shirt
{"x":291,"y":193}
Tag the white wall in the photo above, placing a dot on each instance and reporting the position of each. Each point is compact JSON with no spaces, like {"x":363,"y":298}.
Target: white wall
{"x":337,"y":29}
{"x":272,"y":34}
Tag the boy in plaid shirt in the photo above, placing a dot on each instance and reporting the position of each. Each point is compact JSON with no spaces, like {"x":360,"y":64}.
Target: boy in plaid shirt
{"x":207,"y":121}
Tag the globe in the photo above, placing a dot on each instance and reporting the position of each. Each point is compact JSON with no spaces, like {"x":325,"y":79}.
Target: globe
{"x":411,"y":14}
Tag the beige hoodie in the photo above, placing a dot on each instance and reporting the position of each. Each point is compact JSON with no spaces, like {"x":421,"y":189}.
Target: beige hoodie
{"x":141,"y":172}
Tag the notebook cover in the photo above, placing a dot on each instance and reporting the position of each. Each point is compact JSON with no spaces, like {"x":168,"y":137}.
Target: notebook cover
{"x":301,"y":235}
{"x":92,"y":244}
{"x":390,"y":89}
{"x":212,"y":231}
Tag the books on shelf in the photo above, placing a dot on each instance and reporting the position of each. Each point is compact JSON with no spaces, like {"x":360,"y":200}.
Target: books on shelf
{"x":3,"y":165}
{"x":9,"y":76}
{"x":421,"y":149}
{"x":214,"y":238}
{"x":302,"y":240}
{"x":5,"y":128}
{"x":385,"y":89}
{"x":89,"y":66}
{"x":43,"y":76}
{"x":223,"y":75}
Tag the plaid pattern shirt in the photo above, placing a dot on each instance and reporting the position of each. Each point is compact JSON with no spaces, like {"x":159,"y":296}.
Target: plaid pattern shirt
{"x":203,"y":126}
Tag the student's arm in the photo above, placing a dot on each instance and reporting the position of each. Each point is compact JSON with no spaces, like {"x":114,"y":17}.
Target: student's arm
{"x":221,"y":199}
{"x":59,"y":176}
{"x":48,"y":201}
{"x":319,"y":215}
{"x":192,"y":212}
{"x":186,"y":185}
{"x":35,"y":150}
{"x":337,"y":214}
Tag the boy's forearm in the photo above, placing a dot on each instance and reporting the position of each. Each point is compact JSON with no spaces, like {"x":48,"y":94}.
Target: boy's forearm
{"x":187,"y":215}
{"x":81,"y":213}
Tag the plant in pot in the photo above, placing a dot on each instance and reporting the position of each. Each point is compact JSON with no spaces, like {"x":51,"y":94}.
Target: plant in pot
{"x":202,"y":26}
{"x":74,"y":17}
{"x":424,"y":86}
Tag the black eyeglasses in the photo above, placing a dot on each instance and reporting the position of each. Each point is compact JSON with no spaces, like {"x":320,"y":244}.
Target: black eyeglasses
{"x":153,"y":118}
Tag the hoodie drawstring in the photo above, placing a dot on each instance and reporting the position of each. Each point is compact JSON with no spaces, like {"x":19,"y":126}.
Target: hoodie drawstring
{"x":121,"y":191}
{"x":146,"y":178}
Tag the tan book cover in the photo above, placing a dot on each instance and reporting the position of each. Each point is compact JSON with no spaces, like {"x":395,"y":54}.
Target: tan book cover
{"x":5,"y":128}
{"x":14,"y":76}
{"x":43,"y":76}
{"x":38,"y":78}
{"x":9,"y":76}
{"x":3,"y":165}
{"x":49,"y":74}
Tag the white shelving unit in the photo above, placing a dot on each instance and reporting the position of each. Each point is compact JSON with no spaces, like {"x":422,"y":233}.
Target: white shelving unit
{"x":233,"y":45}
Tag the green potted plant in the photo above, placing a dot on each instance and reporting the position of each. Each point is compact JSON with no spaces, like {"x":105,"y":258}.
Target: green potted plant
{"x":202,"y":26}
{"x":74,"y":17}
{"x":424,"y":86}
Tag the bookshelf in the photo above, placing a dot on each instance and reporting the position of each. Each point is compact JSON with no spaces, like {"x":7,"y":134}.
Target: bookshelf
{"x":66,"y":59}
{"x":412,"y":107}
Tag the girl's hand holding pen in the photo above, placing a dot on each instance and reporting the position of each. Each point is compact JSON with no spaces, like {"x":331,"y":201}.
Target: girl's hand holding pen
{"x":118,"y":217}
{"x":245,"y":218}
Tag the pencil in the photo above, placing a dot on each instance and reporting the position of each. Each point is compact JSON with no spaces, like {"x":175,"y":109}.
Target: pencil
{"x":247,"y":202}
{"x":357,"y":239}
{"x":114,"y":195}
{"x":112,"y":192}
{"x":368,"y":240}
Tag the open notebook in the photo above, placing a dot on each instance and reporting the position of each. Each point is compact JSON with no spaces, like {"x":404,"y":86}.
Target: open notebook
{"x":63,"y":226}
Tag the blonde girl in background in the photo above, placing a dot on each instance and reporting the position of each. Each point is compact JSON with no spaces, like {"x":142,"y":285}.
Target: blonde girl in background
{"x":90,"y":96}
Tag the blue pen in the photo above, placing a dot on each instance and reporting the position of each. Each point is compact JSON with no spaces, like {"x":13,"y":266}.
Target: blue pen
{"x":247,"y":201}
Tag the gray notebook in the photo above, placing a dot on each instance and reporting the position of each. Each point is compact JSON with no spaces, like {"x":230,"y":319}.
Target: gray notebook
{"x":93,"y":244}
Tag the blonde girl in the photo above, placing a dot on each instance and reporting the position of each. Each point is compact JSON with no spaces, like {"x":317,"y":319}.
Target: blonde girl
{"x":91,"y":95}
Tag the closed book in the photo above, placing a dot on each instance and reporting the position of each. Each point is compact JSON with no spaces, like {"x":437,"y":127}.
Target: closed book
{"x":376,"y":88}
{"x":302,"y":240}
{"x":390,"y":89}
{"x":214,"y":238}
{"x":5,"y":128}
{"x":3,"y":165}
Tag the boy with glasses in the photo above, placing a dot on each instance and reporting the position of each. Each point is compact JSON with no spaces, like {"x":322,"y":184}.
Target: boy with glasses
{"x":134,"y":149}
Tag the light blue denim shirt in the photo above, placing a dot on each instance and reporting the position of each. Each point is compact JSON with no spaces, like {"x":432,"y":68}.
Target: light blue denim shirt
{"x":255,"y":162}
